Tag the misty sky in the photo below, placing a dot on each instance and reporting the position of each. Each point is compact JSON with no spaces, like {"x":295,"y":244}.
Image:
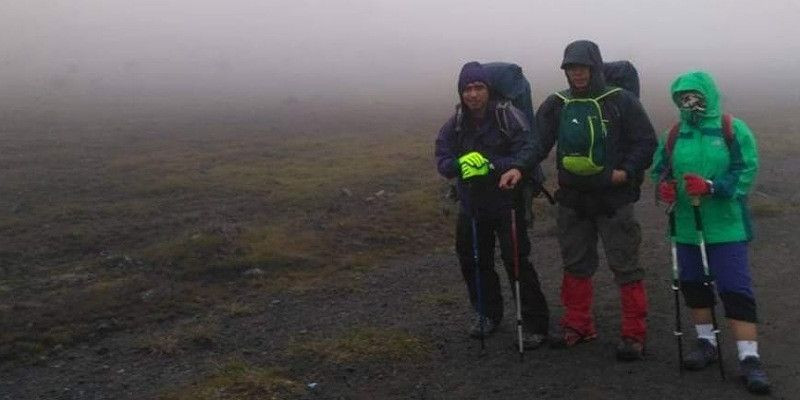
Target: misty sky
{"x":376,"y":47}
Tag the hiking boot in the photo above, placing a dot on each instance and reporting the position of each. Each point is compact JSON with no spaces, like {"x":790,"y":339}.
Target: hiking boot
{"x":531,"y":341}
{"x":630,"y":349}
{"x":703,"y":354}
{"x":755,"y":379}
{"x":489,"y":326}
{"x":569,"y":337}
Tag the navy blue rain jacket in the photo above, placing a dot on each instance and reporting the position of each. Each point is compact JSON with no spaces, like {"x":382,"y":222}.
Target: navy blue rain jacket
{"x":513,"y":149}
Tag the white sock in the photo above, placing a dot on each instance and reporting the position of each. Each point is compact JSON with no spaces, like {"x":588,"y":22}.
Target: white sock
{"x":747,"y":348}
{"x":706,"y":331}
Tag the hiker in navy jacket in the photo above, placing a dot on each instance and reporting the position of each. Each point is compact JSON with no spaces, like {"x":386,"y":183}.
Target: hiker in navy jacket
{"x":489,"y":199}
{"x":605,"y":143}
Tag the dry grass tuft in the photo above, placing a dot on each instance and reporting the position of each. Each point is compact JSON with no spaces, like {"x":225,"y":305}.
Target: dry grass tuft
{"x":440,"y":299}
{"x":239,"y":381}
{"x":184,"y":336}
{"x":366,"y":345}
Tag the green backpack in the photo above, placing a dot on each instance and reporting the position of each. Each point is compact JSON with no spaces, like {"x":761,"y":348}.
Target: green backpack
{"x":582,"y":134}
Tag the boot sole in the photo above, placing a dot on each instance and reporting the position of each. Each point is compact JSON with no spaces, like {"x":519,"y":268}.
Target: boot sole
{"x":757,"y":388}
{"x":560,"y":343}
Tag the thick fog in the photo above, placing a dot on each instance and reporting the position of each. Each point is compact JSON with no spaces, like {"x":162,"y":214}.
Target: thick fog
{"x":155,"y":51}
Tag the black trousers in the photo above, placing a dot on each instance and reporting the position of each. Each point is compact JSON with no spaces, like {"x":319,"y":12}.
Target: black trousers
{"x":535,"y":314}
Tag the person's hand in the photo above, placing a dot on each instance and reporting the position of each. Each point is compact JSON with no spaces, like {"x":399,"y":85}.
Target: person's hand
{"x":666,"y":191}
{"x":618,"y":177}
{"x":473,"y":159}
{"x":696,"y":185}
{"x":510,"y":178}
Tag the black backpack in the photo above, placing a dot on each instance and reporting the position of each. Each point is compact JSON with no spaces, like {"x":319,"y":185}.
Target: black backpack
{"x":622,"y":74}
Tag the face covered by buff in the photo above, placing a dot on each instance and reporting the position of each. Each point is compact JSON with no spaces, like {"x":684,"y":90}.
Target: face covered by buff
{"x":693,"y":102}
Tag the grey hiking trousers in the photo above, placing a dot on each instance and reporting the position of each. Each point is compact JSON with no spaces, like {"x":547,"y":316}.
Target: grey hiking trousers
{"x":621,"y":236}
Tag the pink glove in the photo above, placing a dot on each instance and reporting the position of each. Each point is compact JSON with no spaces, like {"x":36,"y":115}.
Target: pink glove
{"x":696,"y":185}
{"x":666,"y":191}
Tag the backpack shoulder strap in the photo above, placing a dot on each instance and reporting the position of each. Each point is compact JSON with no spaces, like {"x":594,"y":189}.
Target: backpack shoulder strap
{"x":501,"y":112}
{"x":672,"y":137}
{"x":506,"y":115}
{"x":727,"y":128}
{"x":459,"y":118}
{"x":669,"y":146}
{"x":563,"y":95}
{"x":607,"y":93}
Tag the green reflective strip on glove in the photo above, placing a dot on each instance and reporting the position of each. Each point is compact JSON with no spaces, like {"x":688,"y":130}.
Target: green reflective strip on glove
{"x":474,"y":159}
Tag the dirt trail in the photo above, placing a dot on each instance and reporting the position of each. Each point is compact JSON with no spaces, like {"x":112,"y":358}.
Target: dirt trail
{"x":426,"y":298}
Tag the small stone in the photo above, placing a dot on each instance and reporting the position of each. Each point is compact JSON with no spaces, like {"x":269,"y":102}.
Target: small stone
{"x":147,"y":294}
{"x":380,"y":193}
{"x":346,"y":192}
{"x":254,"y":272}
{"x":103,"y":327}
{"x":275,"y":302}
{"x":313,"y":385}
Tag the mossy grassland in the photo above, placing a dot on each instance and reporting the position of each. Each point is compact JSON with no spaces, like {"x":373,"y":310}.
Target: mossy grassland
{"x":102,"y":233}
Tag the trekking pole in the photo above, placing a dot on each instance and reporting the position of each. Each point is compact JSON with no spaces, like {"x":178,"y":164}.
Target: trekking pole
{"x":708,"y":282}
{"x":676,"y":286}
{"x":516,"y":283}
{"x":478,"y":288}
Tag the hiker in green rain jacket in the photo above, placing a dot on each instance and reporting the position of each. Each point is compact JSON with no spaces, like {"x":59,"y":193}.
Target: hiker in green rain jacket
{"x":703,"y":158}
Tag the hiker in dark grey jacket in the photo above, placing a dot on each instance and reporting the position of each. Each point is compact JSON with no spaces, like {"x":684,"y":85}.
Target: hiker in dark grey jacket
{"x":605,"y":143}
{"x":488,"y":164}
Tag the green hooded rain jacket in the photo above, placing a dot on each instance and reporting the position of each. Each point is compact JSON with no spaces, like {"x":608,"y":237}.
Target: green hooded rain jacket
{"x":701,"y":149}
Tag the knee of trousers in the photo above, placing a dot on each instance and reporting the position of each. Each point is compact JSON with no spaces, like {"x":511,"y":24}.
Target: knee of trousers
{"x":629,"y":276}
{"x":739,"y":306}
{"x":584,"y":268}
{"x":697,"y":294}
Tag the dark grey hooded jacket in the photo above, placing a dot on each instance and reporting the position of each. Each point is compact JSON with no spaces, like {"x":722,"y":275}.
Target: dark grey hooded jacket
{"x":630,"y":144}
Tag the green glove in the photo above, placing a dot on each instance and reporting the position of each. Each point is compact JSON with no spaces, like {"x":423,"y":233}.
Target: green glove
{"x":473,"y":164}
{"x":468,"y":171}
{"x":474,"y":159}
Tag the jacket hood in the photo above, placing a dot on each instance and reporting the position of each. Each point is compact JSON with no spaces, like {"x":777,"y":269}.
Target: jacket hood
{"x":585,"y":52}
{"x":473,"y":71}
{"x":702,"y":82}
